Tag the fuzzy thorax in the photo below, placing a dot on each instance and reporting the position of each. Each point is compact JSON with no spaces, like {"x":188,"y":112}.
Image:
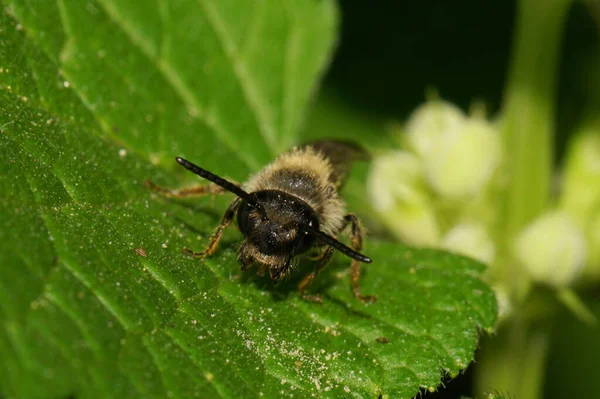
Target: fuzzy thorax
{"x":306,"y":174}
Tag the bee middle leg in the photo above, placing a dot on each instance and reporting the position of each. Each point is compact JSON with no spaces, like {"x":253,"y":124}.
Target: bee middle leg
{"x":216,"y":237}
{"x":324,"y":258}
{"x":357,"y":243}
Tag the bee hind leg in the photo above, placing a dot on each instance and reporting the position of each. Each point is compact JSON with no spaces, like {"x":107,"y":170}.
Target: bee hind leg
{"x":324,"y":258}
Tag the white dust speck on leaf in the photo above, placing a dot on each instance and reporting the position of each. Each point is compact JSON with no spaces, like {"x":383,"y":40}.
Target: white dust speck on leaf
{"x":154,"y":159}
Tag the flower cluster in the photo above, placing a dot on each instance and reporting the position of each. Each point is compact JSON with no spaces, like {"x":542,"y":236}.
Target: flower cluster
{"x":447,"y":187}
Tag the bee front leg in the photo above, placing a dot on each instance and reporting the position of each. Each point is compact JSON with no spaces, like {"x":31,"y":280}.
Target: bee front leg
{"x":357,"y":243}
{"x":216,"y":237}
{"x":322,"y":261}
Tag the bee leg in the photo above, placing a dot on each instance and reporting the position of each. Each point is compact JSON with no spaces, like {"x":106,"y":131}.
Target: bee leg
{"x":322,"y":261}
{"x":357,"y":243}
{"x":262,"y":270}
{"x":216,"y":237}
{"x":245,"y":261}
{"x":196,"y":191}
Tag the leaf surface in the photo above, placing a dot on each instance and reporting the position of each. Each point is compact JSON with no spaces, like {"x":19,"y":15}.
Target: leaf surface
{"x":96,"y":299}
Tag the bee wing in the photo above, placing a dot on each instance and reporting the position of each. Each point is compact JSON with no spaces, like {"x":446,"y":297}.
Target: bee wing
{"x":341,"y":154}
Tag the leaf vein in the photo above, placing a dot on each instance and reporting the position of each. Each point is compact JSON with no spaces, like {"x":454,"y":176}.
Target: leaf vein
{"x":185,"y":94}
{"x":289,"y":74}
{"x":251,"y":92}
{"x":218,"y":387}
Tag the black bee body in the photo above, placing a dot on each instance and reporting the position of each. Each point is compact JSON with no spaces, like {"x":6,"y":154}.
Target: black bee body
{"x":289,"y":208}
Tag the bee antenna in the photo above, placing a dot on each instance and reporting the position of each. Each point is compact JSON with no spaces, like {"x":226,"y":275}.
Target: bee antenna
{"x":329,"y":240}
{"x":227,"y":185}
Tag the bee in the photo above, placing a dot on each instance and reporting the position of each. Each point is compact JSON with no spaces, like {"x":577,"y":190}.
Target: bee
{"x":290,"y":208}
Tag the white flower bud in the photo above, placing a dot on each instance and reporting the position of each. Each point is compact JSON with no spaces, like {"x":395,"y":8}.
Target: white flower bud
{"x":470,"y":239}
{"x":462,"y":161}
{"x":399,"y":196}
{"x":580,"y":194}
{"x":552,"y":249}
{"x":593,"y":239}
{"x":428,"y":123}
{"x":505,"y":306}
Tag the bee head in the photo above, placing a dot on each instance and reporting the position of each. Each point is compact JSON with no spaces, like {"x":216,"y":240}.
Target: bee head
{"x":277,"y":230}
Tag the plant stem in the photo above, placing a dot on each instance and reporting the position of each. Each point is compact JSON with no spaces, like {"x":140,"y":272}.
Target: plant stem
{"x":514,"y":361}
{"x":528,"y":114}
{"x":535,"y":353}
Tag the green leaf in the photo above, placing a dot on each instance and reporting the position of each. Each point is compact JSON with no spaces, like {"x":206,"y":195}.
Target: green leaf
{"x":96,"y":299}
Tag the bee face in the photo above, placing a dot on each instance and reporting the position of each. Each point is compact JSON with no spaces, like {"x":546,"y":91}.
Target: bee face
{"x":279,"y":231}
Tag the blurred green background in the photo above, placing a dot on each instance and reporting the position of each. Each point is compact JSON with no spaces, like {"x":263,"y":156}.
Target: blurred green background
{"x":390,"y":53}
